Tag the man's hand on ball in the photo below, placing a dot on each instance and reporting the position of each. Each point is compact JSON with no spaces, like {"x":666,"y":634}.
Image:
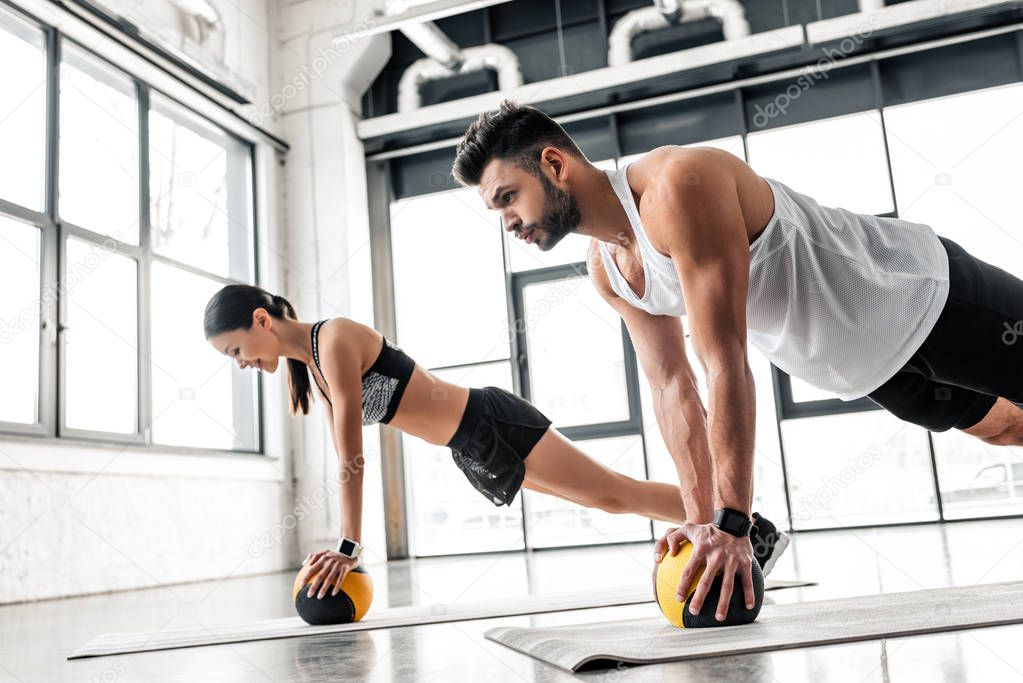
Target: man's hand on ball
{"x":330,"y":568}
{"x":669,"y":543}
{"x":721,"y":553}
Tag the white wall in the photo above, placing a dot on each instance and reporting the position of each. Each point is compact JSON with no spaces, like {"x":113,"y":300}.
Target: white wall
{"x":133,"y":519}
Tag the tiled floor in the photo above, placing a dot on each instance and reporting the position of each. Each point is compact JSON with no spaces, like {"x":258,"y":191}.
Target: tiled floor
{"x":36,"y":638}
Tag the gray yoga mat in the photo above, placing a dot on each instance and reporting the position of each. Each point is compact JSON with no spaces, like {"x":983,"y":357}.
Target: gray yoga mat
{"x":293,"y":627}
{"x":805,"y":624}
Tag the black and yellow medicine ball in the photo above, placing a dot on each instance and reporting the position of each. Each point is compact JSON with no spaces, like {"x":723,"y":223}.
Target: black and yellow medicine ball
{"x":667,"y":574}
{"x":350,"y":604}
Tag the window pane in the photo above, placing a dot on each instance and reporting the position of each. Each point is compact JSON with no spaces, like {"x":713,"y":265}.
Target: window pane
{"x":99,"y":146}
{"x":976,"y":479}
{"x":22,"y":112}
{"x":101,"y":351}
{"x":199,"y":192}
{"x":860,"y":468}
{"x":839,"y":162}
{"x":576,"y":353}
{"x":446,"y":514}
{"x":200,"y":398}
{"x":19,"y":321}
{"x":954,"y":161}
{"x":448,"y":260}
{"x":803,"y":392}
{"x":553,"y":521}
{"x":572,"y":249}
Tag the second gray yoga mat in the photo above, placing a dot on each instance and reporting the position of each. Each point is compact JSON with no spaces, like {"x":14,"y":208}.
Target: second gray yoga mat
{"x":292,"y":627}
{"x":805,"y":624}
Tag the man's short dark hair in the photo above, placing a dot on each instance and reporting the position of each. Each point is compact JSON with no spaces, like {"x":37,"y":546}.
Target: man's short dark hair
{"x":515,"y":132}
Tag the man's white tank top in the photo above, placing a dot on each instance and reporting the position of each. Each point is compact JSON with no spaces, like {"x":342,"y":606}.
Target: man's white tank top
{"x":838,"y":299}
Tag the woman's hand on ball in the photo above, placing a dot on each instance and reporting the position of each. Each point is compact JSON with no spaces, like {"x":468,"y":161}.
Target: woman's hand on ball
{"x":330,"y":568}
{"x":722,"y":553}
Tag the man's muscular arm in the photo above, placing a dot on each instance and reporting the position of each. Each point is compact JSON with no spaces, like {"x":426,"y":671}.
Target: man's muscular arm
{"x":692,"y":212}
{"x":660,"y":347}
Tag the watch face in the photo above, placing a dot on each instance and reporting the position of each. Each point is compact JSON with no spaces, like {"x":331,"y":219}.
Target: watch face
{"x":732,"y":522}
{"x":347,"y":547}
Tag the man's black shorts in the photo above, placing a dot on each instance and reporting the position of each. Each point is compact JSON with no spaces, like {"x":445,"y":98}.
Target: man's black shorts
{"x":497,"y":431}
{"x":973,"y":355}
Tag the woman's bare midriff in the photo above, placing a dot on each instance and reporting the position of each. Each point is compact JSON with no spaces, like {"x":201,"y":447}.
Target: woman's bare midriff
{"x":430,"y":408}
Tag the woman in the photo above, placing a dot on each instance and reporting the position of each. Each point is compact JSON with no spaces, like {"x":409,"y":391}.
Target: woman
{"x":499,"y":441}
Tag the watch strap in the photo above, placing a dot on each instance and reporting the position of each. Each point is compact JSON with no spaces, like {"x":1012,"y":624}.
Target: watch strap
{"x":732,"y":522}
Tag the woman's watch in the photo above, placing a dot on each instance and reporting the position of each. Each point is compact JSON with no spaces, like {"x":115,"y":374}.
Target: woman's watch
{"x":349,"y":548}
{"x":732,"y":522}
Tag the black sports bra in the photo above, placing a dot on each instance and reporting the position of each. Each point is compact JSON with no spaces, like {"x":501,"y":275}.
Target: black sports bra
{"x":382,"y":385}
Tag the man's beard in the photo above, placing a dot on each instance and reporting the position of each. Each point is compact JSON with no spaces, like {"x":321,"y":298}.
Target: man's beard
{"x":561,"y":215}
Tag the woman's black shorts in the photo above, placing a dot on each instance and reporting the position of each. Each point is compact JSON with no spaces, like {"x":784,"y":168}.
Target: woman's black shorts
{"x":973,"y":355}
{"x":498,"y":430}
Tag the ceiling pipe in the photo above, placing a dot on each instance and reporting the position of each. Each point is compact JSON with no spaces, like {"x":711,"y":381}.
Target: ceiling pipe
{"x":426,"y":35}
{"x":491,"y":56}
{"x":666,"y":13}
{"x":435,"y":44}
{"x":671,"y":9}
{"x":445,"y":59}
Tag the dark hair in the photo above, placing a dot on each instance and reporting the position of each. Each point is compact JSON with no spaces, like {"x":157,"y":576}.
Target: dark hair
{"x":515,"y":132}
{"x":231,"y":309}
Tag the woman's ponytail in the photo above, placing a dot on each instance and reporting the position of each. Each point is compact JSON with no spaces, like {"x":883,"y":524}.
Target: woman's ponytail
{"x":298,"y":372}
{"x":231,"y":309}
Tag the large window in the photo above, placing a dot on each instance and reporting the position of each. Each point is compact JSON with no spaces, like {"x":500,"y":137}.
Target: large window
{"x":577,"y":366}
{"x":448,"y":259}
{"x":118,"y":220}
{"x":953,"y":162}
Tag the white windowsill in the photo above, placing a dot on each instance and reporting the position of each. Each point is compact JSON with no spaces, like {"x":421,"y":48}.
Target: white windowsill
{"x":80,"y":456}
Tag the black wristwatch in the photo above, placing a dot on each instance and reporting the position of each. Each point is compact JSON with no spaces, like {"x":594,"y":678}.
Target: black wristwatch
{"x":732,"y":522}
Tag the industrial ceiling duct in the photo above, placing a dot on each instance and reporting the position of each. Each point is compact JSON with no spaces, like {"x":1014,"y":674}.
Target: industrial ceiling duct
{"x":445,"y":59}
{"x":666,"y":13}
{"x":491,"y":56}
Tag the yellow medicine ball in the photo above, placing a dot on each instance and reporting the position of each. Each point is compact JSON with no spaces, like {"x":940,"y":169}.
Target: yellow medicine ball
{"x":668,"y":573}
{"x":350,"y":604}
